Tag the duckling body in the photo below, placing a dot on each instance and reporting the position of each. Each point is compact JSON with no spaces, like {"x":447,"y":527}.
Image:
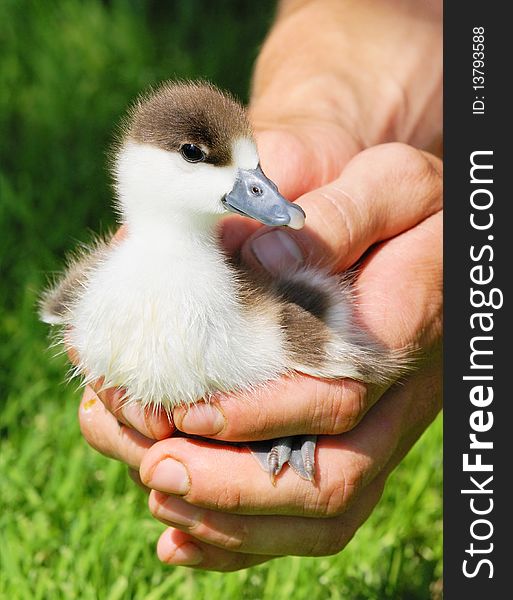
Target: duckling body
{"x":163,"y":319}
{"x":164,"y":312}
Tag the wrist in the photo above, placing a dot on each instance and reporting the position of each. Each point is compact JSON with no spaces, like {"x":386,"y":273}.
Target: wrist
{"x":370,"y":68}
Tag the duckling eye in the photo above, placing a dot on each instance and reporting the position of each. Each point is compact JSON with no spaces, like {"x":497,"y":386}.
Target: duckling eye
{"x":192,"y":153}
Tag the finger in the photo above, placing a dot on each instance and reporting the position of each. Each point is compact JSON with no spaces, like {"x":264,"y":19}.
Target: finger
{"x":404,"y":307}
{"x":302,"y":536}
{"x":178,"y":548}
{"x":105,"y":434}
{"x":73,"y":356}
{"x":291,"y":157}
{"x":152,"y":423}
{"x":397,"y":312}
{"x":289,"y":406}
{"x":382,"y":192}
{"x":425,"y":402}
{"x":266,"y":535}
{"x":120,"y":234}
{"x":235,"y":230}
{"x":134,"y":476}
{"x":229,"y":479}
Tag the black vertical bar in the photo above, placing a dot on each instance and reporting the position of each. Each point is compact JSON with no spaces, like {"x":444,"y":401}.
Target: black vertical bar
{"x":478,"y":120}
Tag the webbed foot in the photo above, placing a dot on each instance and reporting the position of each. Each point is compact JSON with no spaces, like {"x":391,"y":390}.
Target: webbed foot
{"x":296,"y":451}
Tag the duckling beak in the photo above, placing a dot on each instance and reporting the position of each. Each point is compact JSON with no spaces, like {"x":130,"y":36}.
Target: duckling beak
{"x":255,"y":195}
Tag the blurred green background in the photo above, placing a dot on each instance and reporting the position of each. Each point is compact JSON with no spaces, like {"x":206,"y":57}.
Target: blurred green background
{"x":72,"y":524}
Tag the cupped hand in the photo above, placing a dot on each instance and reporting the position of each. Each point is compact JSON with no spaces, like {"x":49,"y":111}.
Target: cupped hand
{"x":384,"y":210}
{"x":332,"y":79}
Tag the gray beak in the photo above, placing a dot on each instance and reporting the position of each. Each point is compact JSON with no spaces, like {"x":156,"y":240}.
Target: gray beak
{"x":256,"y":196}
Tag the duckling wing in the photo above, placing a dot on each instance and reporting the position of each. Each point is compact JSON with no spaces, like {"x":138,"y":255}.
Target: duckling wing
{"x":323,"y":335}
{"x":56,"y":302}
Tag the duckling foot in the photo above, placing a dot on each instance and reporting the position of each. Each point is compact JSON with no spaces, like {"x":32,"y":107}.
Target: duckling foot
{"x":297,"y":451}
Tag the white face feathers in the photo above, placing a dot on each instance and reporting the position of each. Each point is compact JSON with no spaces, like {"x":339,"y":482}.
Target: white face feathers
{"x":160,"y":186}
{"x":188,"y":157}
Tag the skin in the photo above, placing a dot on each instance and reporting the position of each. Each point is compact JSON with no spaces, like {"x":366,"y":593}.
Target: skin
{"x":321,"y":106}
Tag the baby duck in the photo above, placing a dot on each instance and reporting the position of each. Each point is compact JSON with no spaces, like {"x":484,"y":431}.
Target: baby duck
{"x":164,"y":313}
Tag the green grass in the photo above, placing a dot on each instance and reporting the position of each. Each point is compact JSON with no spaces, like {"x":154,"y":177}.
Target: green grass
{"x":72,"y":524}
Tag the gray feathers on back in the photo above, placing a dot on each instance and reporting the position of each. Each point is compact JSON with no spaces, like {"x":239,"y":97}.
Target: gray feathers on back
{"x":56,"y":303}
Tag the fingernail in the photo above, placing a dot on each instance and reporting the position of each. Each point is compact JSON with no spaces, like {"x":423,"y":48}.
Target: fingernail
{"x":159,"y":425}
{"x":145,"y":421}
{"x":201,"y":419}
{"x":170,"y":476}
{"x":276,"y":251}
{"x":133,"y":416}
{"x":184,"y":555}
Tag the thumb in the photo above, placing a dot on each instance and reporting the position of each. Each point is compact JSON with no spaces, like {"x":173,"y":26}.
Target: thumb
{"x":291,"y":161}
{"x":382,"y":192}
{"x":301,"y":158}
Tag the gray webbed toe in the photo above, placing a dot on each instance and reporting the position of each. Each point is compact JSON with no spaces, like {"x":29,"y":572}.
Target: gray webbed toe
{"x":297,"y":451}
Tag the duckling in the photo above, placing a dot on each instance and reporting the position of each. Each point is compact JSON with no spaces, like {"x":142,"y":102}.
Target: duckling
{"x":165,"y":313}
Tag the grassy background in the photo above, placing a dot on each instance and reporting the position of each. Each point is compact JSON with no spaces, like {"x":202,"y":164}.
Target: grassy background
{"x":71,"y":523}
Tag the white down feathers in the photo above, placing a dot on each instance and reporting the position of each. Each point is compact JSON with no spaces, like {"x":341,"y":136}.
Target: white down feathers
{"x":164,"y":323}
{"x":159,"y":312}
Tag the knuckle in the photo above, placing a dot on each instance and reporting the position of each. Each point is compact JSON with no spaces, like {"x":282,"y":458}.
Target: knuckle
{"x":416,"y":167}
{"x":343,"y":406}
{"x":406,"y":162}
{"x":234,"y":539}
{"x":262,"y":421}
{"x":154,"y":454}
{"x":228,"y":500}
{"x":337,"y":498}
{"x":134,"y":476}
{"x":244,"y":420}
{"x":121,"y":447}
{"x":230,"y":563}
{"x":333,"y":213}
{"x":326,"y":541}
{"x":331,"y":503}
{"x":333,"y":543}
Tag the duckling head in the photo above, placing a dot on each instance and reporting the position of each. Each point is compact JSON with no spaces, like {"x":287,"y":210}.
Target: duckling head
{"x":188,"y":157}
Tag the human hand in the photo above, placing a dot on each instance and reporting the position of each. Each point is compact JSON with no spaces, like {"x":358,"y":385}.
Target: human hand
{"x":223,"y":511}
{"x":335,"y":77}
{"x":317,"y":124}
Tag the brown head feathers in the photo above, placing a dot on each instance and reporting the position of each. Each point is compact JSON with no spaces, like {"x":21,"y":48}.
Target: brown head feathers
{"x":185,"y":112}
